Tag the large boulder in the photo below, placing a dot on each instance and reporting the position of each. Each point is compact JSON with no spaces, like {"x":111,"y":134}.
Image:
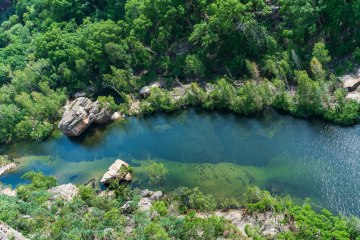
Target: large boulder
{"x":119,"y":171}
{"x":66,"y":192}
{"x":80,"y":113}
{"x":7,"y":233}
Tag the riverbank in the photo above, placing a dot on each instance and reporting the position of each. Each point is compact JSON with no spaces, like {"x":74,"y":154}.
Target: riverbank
{"x":41,"y":210}
{"x":244,"y":98}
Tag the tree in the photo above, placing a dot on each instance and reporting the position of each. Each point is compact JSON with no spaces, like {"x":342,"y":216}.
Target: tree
{"x":310,"y":95}
{"x":317,"y":69}
{"x":301,"y":19}
{"x":156,"y":172}
{"x":321,"y":53}
{"x":120,"y":80}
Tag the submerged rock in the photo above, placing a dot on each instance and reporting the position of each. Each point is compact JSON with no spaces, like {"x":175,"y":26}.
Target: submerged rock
{"x":66,"y":192}
{"x":119,"y":171}
{"x":80,"y":114}
{"x":7,"y":167}
{"x":7,"y":233}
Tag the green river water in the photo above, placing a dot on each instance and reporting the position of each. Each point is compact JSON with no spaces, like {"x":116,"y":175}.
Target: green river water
{"x":221,"y":153}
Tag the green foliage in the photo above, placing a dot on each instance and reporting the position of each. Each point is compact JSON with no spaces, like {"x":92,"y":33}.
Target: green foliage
{"x":195,"y":66}
{"x":321,"y":53}
{"x":156,"y":172}
{"x":90,"y":216}
{"x":121,"y":81}
{"x":4,"y":159}
{"x":253,"y":232}
{"x":36,"y":190}
{"x":160,"y":207}
{"x":108,"y":102}
{"x":194,"y":199}
{"x":155,"y":231}
{"x":49,"y":45}
{"x":260,"y":201}
{"x":356,"y":55}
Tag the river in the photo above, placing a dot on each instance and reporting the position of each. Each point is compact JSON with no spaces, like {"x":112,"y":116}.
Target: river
{"x":221,"y":153}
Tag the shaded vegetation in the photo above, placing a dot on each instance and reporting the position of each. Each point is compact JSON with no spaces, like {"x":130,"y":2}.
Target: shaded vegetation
{"x":277,"y":53}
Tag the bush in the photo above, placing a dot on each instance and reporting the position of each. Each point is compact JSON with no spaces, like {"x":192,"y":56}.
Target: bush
{"x":108,"y":101}
{"x":155,"y":231}
{"x":160,"y":207}
{"x":194,"y":199}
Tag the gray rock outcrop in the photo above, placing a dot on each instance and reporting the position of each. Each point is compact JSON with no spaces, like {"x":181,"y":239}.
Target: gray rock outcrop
{"x":145,"y":205}
{"x":80,"y":114}
{"x":7,"y":233}
{"x":156,"y":196}
{"x":145,"y":91}
{"x":127,"y":208}
{"x":66,"y":192}
{"x":118,"y":171}
{"x":146,"y":193}
{"x":149,"y":197}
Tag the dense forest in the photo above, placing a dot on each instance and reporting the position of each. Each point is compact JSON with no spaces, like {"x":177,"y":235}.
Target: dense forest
{"x":258,"y":53}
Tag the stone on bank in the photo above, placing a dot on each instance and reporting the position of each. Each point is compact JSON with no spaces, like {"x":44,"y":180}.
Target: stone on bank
{"x":80,"y":114}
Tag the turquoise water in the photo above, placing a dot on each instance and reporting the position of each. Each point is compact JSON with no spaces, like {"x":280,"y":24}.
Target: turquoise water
{"x":221,"y":153}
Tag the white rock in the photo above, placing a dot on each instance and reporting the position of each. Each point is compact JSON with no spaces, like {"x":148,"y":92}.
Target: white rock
{"x":114,"y":173}
{"x":144,"y":205}
{"x":116,"y":116}
{"x":66,"y":192}
{"x":7,"y":233}
{"x":146,"y":193}
{"x":156,"y":196}
{"x":126,"y":208}
{"x":8,"y":192}
{"x":7,"y":167}
{"x":354,"y":96}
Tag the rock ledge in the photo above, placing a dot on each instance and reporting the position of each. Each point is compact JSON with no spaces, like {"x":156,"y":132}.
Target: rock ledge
{"x":80,"y":114}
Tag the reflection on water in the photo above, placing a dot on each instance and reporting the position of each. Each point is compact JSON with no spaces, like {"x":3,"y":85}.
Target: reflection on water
{"x":221,"y":153}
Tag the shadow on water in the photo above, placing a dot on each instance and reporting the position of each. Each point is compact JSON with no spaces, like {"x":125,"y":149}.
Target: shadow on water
{"x":220,"y":152}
